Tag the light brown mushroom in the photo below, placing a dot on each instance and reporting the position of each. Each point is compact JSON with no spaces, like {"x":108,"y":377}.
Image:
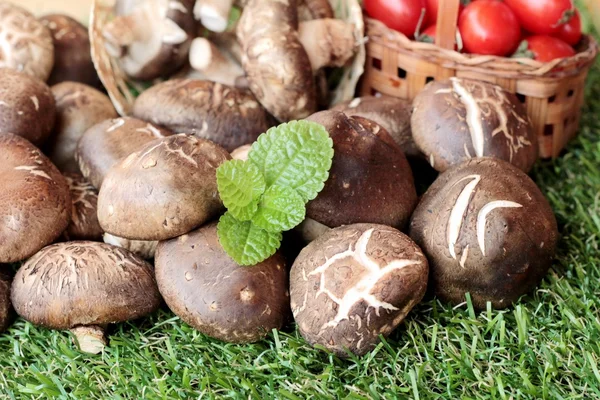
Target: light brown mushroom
{"x":164,"y":190}
{"x":84,"y":215}
{"x":107,"y":143}
{"x":35,"y":204}
{"x":72,"y":58}
{"x":25,"y":43}
{"x":6,"y":311}
{"x":78,"y":107}
{"x":27,"y":107}
{"x":83,"y":287}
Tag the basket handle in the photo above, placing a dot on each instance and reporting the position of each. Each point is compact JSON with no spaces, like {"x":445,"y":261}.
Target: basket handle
{"x":446,"y":23}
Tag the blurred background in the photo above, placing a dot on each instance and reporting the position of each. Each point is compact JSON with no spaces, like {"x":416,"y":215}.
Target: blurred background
{"x":76,"y":8}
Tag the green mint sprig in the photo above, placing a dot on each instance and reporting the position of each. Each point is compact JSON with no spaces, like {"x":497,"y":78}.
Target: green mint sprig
{"x":267,"y":195}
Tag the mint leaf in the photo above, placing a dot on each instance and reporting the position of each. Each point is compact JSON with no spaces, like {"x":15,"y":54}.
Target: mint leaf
{"x":280,"y":209}
{"x":245,"y":242}
{"x":296,"y":155}
{"x":240,"y":186}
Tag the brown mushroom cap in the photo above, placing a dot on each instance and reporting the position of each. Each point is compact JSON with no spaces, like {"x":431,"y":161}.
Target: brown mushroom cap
{"x":164,"y":190}
{"x":354,"y":283}
{"x":35,"y":204}
{"x":277,"y":65}
{"x":458,"y":119}
{"x":142,"y":248}
{"x":208,"y":290}
{"x":225,"y":115}
{"x":27,"y":106}
{"x":107,"y":143}
{"x":84,"y":283}
{"x":26,"y":44}
{"x":486,"y":229}
{"x":392,"y":113}
{"x":84,"y":215}
{"x":72,"y":58}
{"x":370,"y":180}
{"x":78,"y":108}
{"x":5,"y":304}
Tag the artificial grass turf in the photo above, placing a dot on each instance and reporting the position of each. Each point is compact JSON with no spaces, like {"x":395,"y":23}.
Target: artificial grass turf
{"x":546,"y":346}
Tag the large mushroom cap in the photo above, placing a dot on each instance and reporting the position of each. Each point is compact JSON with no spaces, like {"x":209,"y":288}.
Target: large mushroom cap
{"x":78,"y":107}
{"x":486,"y":229}
{"x":354,"y":283}
{"x":225,"y":115}
{"x":72,"y":58}
{"x":35,"y":204}
{"x":25,"y":44}
{"x":107,"y":143}
{"x":459,"y":119}
{"x":208,"y":290}
{"x":84,"y":215}
{"x":5,"y":304}
{"x":392,"y":113}
{"x":84,"y":283}
{"x":27,"y":107}
{"x":370,"y":179}
{"x":164,"y":190}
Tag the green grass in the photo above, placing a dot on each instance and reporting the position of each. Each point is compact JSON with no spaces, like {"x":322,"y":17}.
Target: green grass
{"x":546,"y":346}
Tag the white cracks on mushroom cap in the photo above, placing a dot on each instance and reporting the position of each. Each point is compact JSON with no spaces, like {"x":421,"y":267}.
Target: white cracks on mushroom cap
{"x":458,"y":211}
{"x":355,"y":102}
{"x":33,"y":169}
{"x":463,"y":258}
{"x":474,"y":118}
{"x":119,"y":122}
{"x":482,"y":218}
{"x":36,"y":102}
{"x":361,"y":291}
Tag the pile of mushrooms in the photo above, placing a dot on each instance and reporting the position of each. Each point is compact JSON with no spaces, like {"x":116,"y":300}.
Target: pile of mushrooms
{"x":111,"y":199}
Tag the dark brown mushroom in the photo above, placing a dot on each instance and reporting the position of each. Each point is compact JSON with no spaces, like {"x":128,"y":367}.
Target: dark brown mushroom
{"x":459,"y":119}
{"x":355,"y":283}
{"x":486,"y":229}
{"x":72,"y":58}
{"x":84,"y":215}
{"x":227,"y":116}
{"x":6,"y":311}
{"x":84,"y":286}
{"x":208,"y":290}
{"x":164,"y":190}
{"x":35,"y":204}
{"x":27,"y":107}
{"x":78,"y":107}
{"x":106,"y":144}
{"x":370,"y":180}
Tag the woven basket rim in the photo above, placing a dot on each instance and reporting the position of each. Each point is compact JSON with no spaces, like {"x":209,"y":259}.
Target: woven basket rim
{"x":516,"y":68}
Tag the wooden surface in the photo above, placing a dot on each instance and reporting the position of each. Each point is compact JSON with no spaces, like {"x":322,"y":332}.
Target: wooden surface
{"x":76,"y":8}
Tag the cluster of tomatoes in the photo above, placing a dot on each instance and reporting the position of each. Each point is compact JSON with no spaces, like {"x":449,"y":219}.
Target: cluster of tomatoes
{"x":540,"y":29}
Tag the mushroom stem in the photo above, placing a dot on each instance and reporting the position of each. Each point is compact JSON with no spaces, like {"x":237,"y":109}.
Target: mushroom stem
{"x":328,"y":42}
{"x":214,"y":14}
{"x":207,"y":59}
{"x":310,"y":229}
{"x":90,"y":338}
{"x":124,"y":30}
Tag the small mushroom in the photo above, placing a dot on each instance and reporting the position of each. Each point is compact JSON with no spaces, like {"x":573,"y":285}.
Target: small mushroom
{"x":72,"y":58}
{"x":225,"y":115}
{"x":35,"y":205}
{"x":164,"y":190}
{"x":212,"y":64}
{"x":78,"y":107}
{"x":27,"y":107}
{"x":459,"y":119}
{"x":355,"y":283}
{"x":25,"y":43}
{"x":391,"y":113}
{"x":84,"y":215}
{"x":83,"y":287}
{"x":107,"y":143}
{"x":6,"y":311}
{"x":142,"y":248}
{"x":486,"y":229}
{"x":209,"y":291}
{"x":370,"y":179}
{"x":151,"y":38}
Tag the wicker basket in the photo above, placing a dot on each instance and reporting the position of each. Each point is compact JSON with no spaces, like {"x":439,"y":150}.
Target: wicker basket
{"x":552,"y":92}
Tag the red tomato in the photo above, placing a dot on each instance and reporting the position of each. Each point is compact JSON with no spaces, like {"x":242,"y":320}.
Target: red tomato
{"x":571,"y":31}
{"x":489,"y":27}
{"x":548,"y":48}
{"x":432,"y":10}
{"x":543,"y":17}
{"x":400,"y":15}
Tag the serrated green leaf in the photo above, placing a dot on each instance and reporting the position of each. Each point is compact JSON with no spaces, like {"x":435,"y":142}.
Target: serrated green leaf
{"x":297,"y":155}
{"x":240,"y":186}
{"x":280,"y":209}
{"x":245,"y":242}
